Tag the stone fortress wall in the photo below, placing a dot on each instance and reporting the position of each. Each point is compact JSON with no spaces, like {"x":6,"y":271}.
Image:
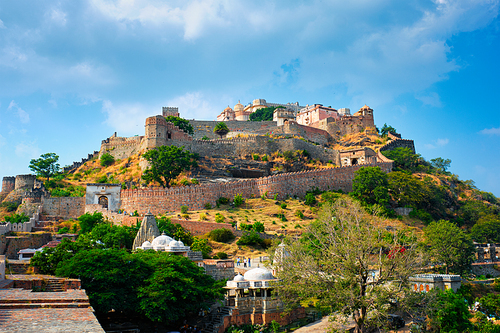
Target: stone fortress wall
{"x":8,"y":184}
{"x":397,"y":142}
{"x":76,"y":165}
{"x":24,"y":182}
{"x":120,"y":147}
{"x":159,"y":201}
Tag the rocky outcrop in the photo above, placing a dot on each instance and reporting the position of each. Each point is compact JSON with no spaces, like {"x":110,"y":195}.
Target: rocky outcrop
{"x":147,"y":232}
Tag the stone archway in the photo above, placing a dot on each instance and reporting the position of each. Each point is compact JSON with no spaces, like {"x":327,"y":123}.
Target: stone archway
{"x":354,"y":161}
{"x":103,"y":201}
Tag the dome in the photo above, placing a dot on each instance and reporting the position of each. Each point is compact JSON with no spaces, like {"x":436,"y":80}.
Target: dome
{"x":238,"y":107}
{"x":173,"y":243}
{"x":161,"y":241}
{"x":146,"y":244}
{"x":239,"y":278}
{"x":179,"y":243}
{"x":258,"y":274}
{"x":228,"y":109}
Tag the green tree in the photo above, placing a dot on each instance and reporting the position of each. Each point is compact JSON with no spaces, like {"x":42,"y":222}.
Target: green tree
{"x":450,"y":246}
{"x":440,"y":163}
{"x":221,"y":129}
{"x":89,"y":221}
{"x":166,"y":163}
{"x":107,"y":159}
{"x":201,"y":244}
{"x":404,"y":158}
{"x":336,"y":264}
{"x":174,"y":230}
{"x":263,"y":114}
{"x":182,"y":123}
{"x":386,"y":129}
{"x":49,"y":258}
{"x":111,"y":236}
{"x":487,"y":230}
{"x":449,"y":312}
{"x":45,"y":166}
{"x":370,"y":185}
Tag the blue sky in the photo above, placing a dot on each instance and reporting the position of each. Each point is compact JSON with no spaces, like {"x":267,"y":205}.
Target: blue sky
{"x":73,"y":72}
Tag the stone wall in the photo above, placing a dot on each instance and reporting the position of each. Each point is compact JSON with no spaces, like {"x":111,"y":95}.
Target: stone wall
{"x":76,"y":165}
{"x":307,"y":132}
{"x":121,"y":147}
{"x":206,"y":127}
{"x":25,"y":182}
{"x":219,"y":269}
{"x":398,"y":143}
{"x":10,"y":245}
{"x":198,"y":228}
{"x":159,"y":201}
{"x":8,"y":184}
{"x":486,"y":269}
{"x":64,"y":207}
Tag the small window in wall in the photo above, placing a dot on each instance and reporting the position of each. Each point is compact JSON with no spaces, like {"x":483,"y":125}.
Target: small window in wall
{"x":354,"y":161}
{"x":103,"y":201}
{"x":169,"y":135}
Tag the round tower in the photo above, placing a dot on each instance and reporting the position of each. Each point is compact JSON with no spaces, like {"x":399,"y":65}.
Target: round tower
{"x":25,"y":182}
{"x":8,"y":184}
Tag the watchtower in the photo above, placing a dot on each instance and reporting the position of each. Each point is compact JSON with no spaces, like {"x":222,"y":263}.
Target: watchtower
{"x":170,"y":111}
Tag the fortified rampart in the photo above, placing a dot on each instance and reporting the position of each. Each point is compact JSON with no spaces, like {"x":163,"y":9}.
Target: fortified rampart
{"x":64,"y":207}
{"x":24,"y":182}
{"x":159,"y":201}
{"x":120,"y":147}
{"x":8,"y":184}
{"x":307,"y":132}
{"x":76,"y":165}
{"x":398,"y":143}
{"x":204,"y":128}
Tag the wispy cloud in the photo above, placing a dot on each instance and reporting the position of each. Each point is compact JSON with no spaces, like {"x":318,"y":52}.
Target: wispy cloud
{"x":491,"y":131}
{"x":2,"y":26}
{"x":29,"y":150}
{"x":24,"y":117}
{"x":437,"y":144}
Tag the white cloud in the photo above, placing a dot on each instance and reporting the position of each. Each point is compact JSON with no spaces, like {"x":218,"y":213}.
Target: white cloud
{"x":2,"y":26}
{"x":437,"y":144}
{"x":194,"y":105}
{"x":491,"y":131}
{"x":29,"y":150}
{"x":58,"y":17}
{"x":2,"y":141}
{"x":24,"y":117}
{"x":431,"y":99}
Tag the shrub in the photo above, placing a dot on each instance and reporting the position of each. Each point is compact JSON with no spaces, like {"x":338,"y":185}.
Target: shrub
{"x":283,"y":205}
{"x":11,"y":206}
{"x":255,"y":157}
{"x":195,"y":181}
{"x":299,"y":214}
{"x":208,"y":205}
{"x":264,"y":196}
{"x":422,"y":215}
{"x":219,"y":218}
{"x":184,"y":209}
{"x":250,"y":238}
{"x":258,"y":226}
{"x":102,"y":179}
{"x":184,"y":182}
{"x":288,"y":155}
{"x":64,"y":230}
{"x":238,"y":200}
{"x":220,"y":255}
{"x":17,"y":218}
{"x":276,"y":196}
{"x":222,"y":201}
{"x":265,"y":158}
{"x":310,"y":199}
{"x":203,"y":217}
{"x":205,"y":138}
{"x":107,"y":159}
{"x":245,"y":226}
{"x":282,"y":217}
{"x":185,"y":216}
{"x":329,"y":196}
{"x":221,"y":235}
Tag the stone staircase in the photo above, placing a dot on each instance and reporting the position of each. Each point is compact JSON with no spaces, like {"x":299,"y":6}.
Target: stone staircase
{"x":55,"y":285}
{"x":25,"y":299}
{"x":215,"y":319}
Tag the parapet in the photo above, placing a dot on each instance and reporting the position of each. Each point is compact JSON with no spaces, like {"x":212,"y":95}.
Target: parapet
{"x":170,"y":111}
{"x":25,"y":182}
{"x":8,"y":184}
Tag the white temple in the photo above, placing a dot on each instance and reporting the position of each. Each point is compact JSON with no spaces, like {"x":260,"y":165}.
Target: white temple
{"x":166,"y":244}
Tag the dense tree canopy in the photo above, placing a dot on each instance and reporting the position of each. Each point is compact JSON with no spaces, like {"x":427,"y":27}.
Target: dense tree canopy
{"x":264,"y":114}
{"x":182,"y":123}
{"x":370,"y":185}
{"x":336,"y":263}
{"x":386,"y":129}
{"x":107,"y":159}
{"x":450,"y":246}
{"x":441,"y":163}
{"x":166,"y":163}
{"x":404,"y":158}
{"x":45,"y":166}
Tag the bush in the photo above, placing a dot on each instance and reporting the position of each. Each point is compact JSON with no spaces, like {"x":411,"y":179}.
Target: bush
{"x":264,"y":196}
{"x":258,"y":226}
{"x":17,"y":218}
{"x":250,"y":238}
{"x":276,"y":196}
{"x":64,"y":230}
{"x":422,"y":215}
{"x":255,"y":157}
{"x":195,"y":181}
{"x":220,"y":255}
{"x":219,"y":218}
{"x":283,"y":205}
{"x":208,"y":205}
{"x":205,"y":138}
{"x":107,"y":159}
{"x":11,"y":206}
{"x":184,"y":182}
{"x":203,"y":217}
{"x":310,"y":199}
{"x":329,"y":196}
{"x":221,"y":235}
{"x":245,"y":226}
{"x":265,"y":158}
{"x":184,"y":209}
{"x":238,"y":200}
{"x":282,"y":217}
{"x":222,"y":201}
{"x":299,"y":214}
{"x":185,"y":216}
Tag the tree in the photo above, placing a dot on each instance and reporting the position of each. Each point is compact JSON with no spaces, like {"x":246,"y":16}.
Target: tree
{"x":404,"y":158}
{"x":107,"y":159}
{"x":166,"y":163}
{"x":349,"y":263}
{"x":89,"y":221}
{"x":263,"y":114}
{"x":201,"y":244}
{"x":450,"y":246}
{"x":386,"y":129}
{"x":182,"y":123}
{"x":45,"y":166}
{"x":370,"y":185}
{"x":221,"y":129}
{"x":440,"y":163}
{"x":486,"y":230}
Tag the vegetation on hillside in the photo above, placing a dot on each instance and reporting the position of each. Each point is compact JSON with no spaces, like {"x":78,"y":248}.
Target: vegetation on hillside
{"x":264,"y":114}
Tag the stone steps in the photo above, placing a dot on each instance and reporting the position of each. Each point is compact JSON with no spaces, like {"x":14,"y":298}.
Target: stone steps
{"x":52,"y":305}
{"x":54,"y":285}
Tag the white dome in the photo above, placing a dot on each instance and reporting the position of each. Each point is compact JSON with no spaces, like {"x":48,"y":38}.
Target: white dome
{"x":258,"y":274}
{"x":146,"y":244}
{"x":161,"y":241}
{"x":179,"y":243}
{"x":239,"y":278}
{"x":173,"y":243}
